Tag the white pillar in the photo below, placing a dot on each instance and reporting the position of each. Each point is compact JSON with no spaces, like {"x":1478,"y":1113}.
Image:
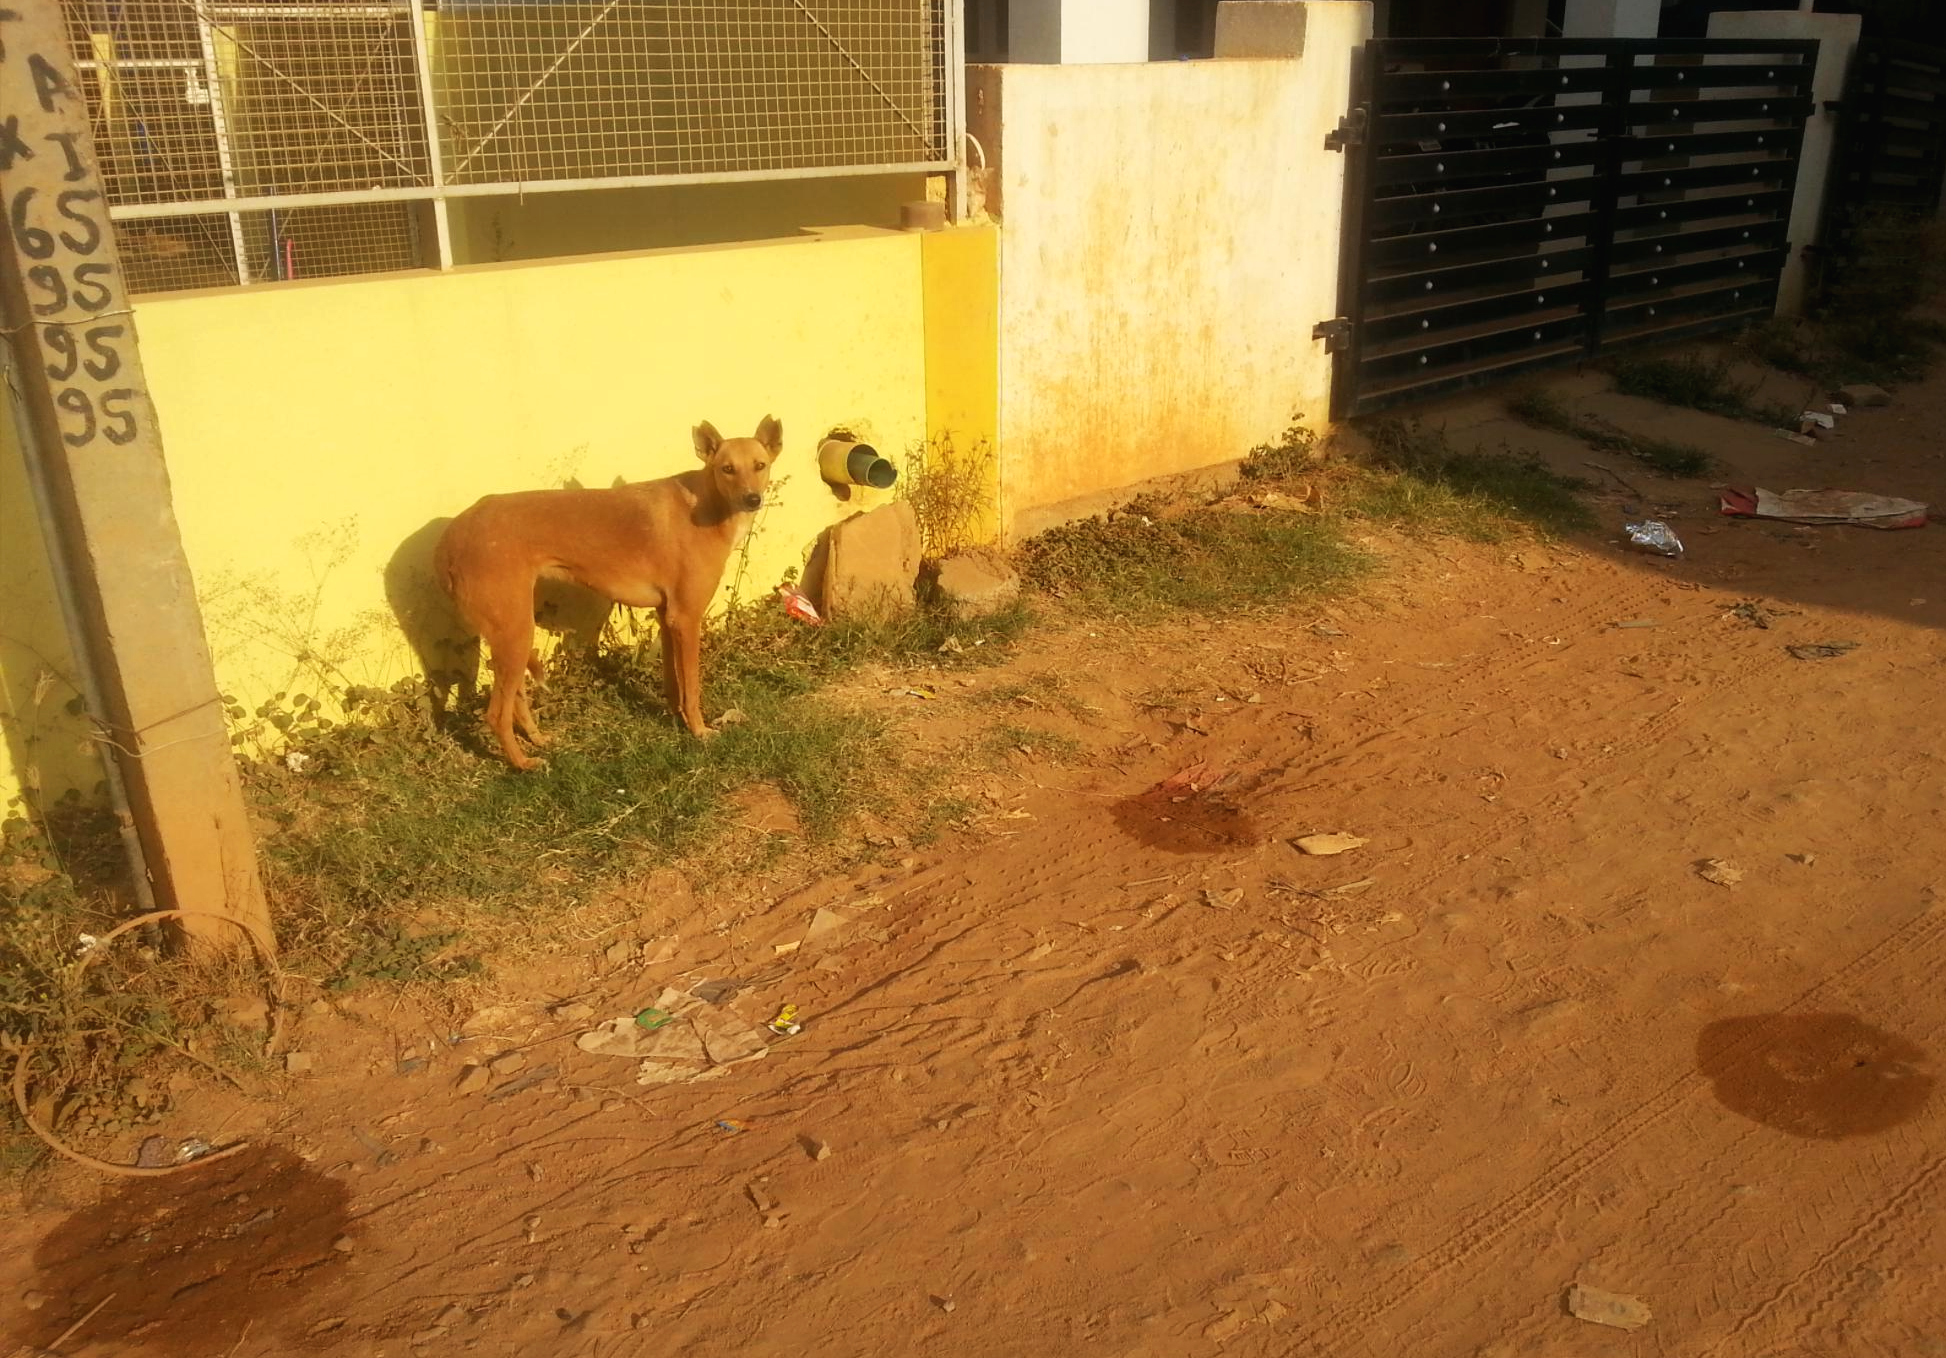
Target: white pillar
{"x":1837,"y":36}
{"x":1078,"y":32}
{"x":1611,"y":18}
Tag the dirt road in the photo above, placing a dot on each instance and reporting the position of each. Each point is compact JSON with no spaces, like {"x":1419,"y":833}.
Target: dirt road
{"x":1100,"y":1082}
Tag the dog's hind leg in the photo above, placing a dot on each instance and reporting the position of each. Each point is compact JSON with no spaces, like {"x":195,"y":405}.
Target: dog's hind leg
{"x":510,"y":647}
{"x":534,"y":676}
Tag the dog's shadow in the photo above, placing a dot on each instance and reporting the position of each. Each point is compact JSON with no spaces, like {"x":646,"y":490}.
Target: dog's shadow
{"x":447,"y":652}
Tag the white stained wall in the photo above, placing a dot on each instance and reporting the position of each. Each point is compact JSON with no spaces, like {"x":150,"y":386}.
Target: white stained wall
{"x":1170,"y":232}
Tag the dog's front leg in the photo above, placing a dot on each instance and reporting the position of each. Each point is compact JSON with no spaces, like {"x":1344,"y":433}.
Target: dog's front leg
{"x":682,"y":666}
{"x":682,"y":670}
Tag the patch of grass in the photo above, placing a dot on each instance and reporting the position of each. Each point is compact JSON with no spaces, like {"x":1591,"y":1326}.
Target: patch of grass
{"x":1544,"y":410}
{"x":1164,"y":697}
{"x":1479,"y":495}
{"x":395,"y":835}
{"x":1043,"y":690}
{"x":1207,"y":560}
{"x":1294,"y":454}
{"x":1014,"y":736}
{"x":1227,"y":557}
{"x":95,"y":1017}
{"x":1696,"y":381}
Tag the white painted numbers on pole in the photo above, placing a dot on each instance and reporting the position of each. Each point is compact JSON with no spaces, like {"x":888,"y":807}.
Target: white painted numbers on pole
{"x":58,"y":222}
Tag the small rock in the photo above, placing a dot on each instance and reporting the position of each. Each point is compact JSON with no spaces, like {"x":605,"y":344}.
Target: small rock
{"x":946,"y":1304}
{"x":1273,"y":1312}
{"x":1864,"y":394}
{"x":976,"y":584}
{"x":33,"y":1301}
{"x":300,"y":1063}
{"x":1607,"y":1308}
{"x":1720,"y":871}
{"x":618,"y":953}
{"x":343,"y":1244}
{"x":451,"y":1315}
{"x":572,"y":1011}
{"x":772,"y":1221}
{"x":1325,"y":846}
{"x":473,"y":1079}
{"x":317,"y":1009}
{"x":524,"y":1280}
{"x":735,"y":716}
{"x":507,"y":1063}
{"x":821,"y":1150}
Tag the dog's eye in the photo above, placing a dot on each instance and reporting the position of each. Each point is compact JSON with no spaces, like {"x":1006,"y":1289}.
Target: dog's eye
{"x":757,"y":467}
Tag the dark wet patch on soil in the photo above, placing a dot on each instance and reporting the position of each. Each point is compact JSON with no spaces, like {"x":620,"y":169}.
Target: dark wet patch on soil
{"x":190,"y":1259}
{"x":1179,"y":821}
{"x":1820,"y":1076}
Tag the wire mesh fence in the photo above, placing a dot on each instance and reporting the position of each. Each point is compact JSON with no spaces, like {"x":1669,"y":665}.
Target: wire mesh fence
{"x":252,"y":140}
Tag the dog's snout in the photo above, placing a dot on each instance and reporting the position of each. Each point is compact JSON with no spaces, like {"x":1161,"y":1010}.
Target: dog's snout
{"x":753,"y":500}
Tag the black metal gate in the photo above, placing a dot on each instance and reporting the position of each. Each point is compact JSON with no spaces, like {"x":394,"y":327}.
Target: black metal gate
{"x":1515,"y":203}
{"x":1891,"y":152}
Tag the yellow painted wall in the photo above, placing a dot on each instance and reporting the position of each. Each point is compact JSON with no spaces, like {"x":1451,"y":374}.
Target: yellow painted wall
{"x":42,"y":744}
{"x":316,"y":432}
{"x":541,"y":225}
{"x":962,"y":319}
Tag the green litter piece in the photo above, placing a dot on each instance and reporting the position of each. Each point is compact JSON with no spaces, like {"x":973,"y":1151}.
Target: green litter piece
{"x":651,"y":1019}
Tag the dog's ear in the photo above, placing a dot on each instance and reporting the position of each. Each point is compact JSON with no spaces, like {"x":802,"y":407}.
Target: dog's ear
{"x":707,"y":440}
{"x":771,"y":434}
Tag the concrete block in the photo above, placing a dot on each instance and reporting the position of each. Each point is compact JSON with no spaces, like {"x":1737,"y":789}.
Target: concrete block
{"x":871,"y":564}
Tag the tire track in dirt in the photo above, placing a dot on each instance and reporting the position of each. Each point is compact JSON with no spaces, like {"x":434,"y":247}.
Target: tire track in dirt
{"x":1487,"y":1227}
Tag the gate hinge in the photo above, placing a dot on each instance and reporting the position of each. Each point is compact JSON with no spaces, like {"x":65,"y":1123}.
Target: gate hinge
{"x":1351,"y":131}
{"x":1336,"y":333}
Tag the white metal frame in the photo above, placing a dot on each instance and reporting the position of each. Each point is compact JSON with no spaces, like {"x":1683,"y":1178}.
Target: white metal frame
{"x":438,"y":192}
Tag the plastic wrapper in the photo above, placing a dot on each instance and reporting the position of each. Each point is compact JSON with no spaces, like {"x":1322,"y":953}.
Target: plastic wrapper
{"x":1653,"y":535}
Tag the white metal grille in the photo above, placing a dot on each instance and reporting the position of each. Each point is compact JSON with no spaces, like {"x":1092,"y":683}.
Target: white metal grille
{"x":253,"y":140}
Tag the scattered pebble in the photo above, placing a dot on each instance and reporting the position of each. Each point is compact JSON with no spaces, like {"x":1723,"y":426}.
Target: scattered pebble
{"x":33,"y":1301}
{"x":507,"y":1064}
{"x":343,"y":1244}
{"x":1607,"y":1308}
{"x":572,"y":1011}
{"x":946,"y":1304}
{"x":473,"y":1079}
{"x":1325,"y":846}
{"x":300,"y":1063}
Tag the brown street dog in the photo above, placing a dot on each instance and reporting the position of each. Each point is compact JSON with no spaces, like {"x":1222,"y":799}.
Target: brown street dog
{"x":650,"y":544}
